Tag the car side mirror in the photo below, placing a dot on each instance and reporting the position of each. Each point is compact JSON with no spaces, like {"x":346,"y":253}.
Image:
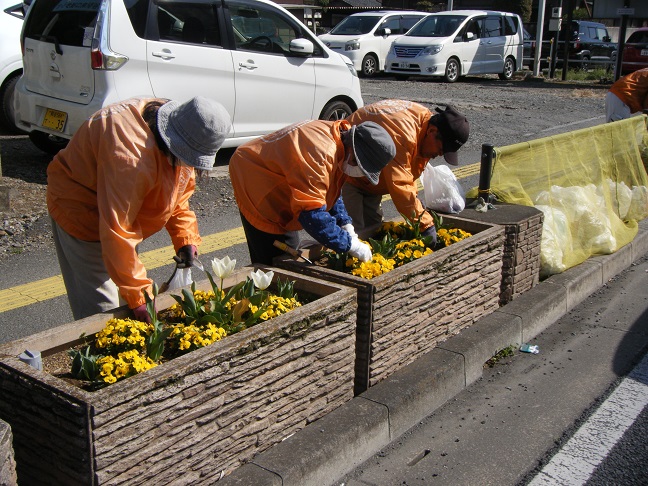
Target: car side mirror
{"x":470,"y":36}
{"x":607,"y":38}
{"x":301,"y":47}
{"x":385,"y":32}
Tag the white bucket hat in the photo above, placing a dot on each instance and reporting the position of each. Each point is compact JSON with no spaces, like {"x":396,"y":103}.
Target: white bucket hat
{"x":194,"y":130}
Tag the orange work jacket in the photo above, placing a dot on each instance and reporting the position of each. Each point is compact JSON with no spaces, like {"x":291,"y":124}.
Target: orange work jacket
{"x":407,"y":123}
{"x":298,"y":168}
{"x":632,"y":89}
{"x":113,"y":185}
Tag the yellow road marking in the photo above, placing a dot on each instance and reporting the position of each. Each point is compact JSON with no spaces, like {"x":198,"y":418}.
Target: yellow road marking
{"x":49,"y":288}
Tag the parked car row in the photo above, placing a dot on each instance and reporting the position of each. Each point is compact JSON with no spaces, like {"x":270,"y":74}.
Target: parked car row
{"x":253,"y":56}
{"x":264,"y":65}
{"x":445,"y":44}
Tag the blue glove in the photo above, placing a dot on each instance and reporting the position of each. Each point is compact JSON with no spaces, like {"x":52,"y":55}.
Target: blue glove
{"x":141,"y":313}
{"x":186,"y":256}
{"x":431,"y":231}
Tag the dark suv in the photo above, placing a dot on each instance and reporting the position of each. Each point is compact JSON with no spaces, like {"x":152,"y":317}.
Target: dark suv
{"x":590,"y":45}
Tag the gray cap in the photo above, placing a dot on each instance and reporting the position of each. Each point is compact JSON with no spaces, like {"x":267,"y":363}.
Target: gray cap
{"x":194,"y":130}
{"x":373,"y":148}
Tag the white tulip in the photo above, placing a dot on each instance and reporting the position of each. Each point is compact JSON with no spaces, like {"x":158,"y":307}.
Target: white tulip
{"x":224,"y":267}
{"x":261,"y":279}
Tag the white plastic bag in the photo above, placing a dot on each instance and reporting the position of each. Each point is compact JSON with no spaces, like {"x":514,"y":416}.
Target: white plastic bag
{"x":181,"y":278}
{"x":441,"y":191}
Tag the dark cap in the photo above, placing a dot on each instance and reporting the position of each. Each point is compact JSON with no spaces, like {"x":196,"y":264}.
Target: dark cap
{"x":454,"y":130}
{"x":373,"y":148}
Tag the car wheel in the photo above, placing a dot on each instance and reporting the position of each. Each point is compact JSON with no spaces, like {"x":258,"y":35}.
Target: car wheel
{"x":7,"y":117}
{"x":453,"y":71}
{"x":50,"y":144}
{"x":509,"y":69}
{"x":335,"y":110}
{"x":369,"y":66}
{"x":585,"y":64}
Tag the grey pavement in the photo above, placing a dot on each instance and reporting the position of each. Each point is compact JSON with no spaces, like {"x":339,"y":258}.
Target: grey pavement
{"x":326,"y":451}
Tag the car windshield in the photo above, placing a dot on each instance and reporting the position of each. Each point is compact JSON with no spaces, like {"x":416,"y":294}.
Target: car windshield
{"x":639,"y":37}
{"x":355,"y":25}
{"x":436,"y":26}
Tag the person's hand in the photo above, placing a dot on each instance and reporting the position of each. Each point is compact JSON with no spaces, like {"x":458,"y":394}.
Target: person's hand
{"x":431,"y":231}
{"x":349,"y":229}
{"x":141,"y":313}
{"x":360,"y":250}
{"x":186,"y":254}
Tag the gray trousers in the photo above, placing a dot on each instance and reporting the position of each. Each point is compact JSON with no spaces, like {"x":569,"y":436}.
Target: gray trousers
{"x":364,"y":209}
{"x":89,"y":288}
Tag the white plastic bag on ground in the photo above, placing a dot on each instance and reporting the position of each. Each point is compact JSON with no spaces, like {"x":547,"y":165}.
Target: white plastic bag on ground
{"x":621,"y":196}
{"x":638,"y":209}
{"x":556,"y":237}
{"x":441,"y":190}
{"x":590,"y":227}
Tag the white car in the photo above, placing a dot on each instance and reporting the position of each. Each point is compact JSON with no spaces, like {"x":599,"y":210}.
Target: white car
{"x":365,"y":37}
{"x":11,"y":22}
{"x":457,"y":43}
{"x":253,"y":56}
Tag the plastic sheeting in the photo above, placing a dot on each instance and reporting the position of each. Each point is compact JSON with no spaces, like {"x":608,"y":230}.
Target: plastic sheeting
{"x":591,"y":185}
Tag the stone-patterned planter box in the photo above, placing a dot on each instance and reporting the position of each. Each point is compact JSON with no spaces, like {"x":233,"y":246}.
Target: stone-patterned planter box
{"x":192,"y":418}
{"x":405,"y":313}
{"x":523,"y":229}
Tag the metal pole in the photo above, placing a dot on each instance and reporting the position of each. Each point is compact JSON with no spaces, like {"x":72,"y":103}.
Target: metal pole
{"x":568,"y":33}
{"x":485,"y":170}
{"x":539,"y":33}
{"x":620,"y":44}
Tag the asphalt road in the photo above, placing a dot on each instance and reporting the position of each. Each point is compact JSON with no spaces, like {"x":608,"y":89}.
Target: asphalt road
{"x":546,"y":419}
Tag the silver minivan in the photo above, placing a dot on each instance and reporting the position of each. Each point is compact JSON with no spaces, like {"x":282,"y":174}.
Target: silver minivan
{"x":458,"y":43}
{"x":253,"y":56}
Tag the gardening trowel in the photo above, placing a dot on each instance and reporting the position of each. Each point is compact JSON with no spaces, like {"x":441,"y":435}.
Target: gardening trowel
{"x":291,"y":251}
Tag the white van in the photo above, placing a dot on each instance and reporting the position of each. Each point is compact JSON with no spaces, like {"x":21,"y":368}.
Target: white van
{"x":457,"y":43}
{"x":253,"y":56}
{"x":365,"y":37}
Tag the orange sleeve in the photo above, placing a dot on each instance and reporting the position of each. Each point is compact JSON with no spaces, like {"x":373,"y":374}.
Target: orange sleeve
{"x":121,"y":189}
{"x":183,"y":225}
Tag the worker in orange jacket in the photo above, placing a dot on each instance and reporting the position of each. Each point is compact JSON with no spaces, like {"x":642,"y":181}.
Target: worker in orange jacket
{"x":128,"y":172}
{"x":419,"y":135}
{"x":292,"y":179}
{"x":627,"y":95}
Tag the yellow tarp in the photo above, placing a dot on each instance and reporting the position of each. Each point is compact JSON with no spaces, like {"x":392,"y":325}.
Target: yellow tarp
{"x":590,"y":184}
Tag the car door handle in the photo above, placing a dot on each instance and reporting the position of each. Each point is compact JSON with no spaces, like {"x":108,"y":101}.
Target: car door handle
{"x":164,"y":54}
{"x":247,"y":65}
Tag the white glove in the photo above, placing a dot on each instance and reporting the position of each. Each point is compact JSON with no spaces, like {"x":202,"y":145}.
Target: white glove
{"x":360,"y":250}
{"x":349,"y":229}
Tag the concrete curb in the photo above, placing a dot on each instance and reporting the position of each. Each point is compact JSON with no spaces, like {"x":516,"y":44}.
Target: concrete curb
{"x":334,"y":445}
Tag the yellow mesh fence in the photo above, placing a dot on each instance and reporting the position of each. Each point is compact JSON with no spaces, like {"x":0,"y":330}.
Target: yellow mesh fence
{"x":591,"y":185}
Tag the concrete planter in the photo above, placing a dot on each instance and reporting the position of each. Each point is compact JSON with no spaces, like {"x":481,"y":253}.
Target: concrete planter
{"x":190,"y":419}
{"x":405,"y":313}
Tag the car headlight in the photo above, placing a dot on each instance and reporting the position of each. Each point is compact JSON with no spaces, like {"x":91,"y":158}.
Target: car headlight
{"x":352,"y":45}
{"x":431,"y":50}
{"x":352,"y":69}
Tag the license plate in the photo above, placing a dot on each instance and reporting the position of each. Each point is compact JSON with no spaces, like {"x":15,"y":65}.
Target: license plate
{"x":644,"y":52}
{"x":404,"y":65}
{"x":54,"y":120}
